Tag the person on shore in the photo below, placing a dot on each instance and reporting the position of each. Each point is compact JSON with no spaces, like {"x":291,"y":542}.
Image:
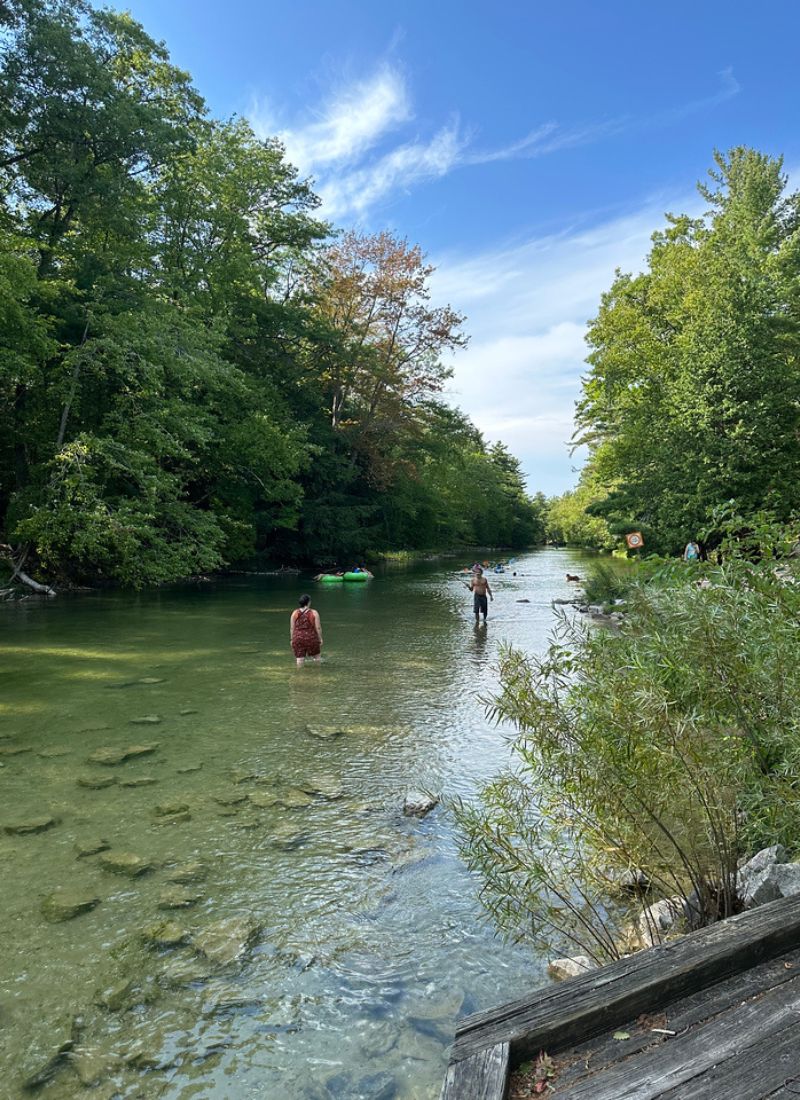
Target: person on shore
{"x":305,"y":632}
{"x":692,"y":551}
{"x":479,"y":587}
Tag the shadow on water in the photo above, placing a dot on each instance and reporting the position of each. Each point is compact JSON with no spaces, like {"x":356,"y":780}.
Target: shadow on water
{"x":351,"y":936}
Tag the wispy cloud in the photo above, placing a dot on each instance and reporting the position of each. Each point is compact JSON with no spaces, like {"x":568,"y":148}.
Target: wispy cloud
{"x":355,"y":119}
{"x":354,"y":147}
{"x":527,"y":306}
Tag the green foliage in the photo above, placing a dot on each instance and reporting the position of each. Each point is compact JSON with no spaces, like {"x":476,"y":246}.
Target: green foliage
{"x":670,"y":746}
{"x":693,"y":392}
{"x":193,"y":372}
{"x":570,"y":520}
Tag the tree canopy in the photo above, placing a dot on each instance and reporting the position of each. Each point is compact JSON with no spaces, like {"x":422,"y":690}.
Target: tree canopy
{"x":195,"y":368}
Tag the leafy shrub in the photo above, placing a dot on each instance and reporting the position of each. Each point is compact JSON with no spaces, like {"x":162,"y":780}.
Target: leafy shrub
{"x":671,"y":746}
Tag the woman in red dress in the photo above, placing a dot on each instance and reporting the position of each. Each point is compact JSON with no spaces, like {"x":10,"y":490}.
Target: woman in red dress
{"x":305,"y":632}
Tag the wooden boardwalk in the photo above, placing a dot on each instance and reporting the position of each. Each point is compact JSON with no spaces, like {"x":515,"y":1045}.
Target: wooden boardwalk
{"x":730,"y":994}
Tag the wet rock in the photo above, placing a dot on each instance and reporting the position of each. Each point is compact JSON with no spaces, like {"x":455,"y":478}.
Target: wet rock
{"x":64,"y":904}
{"x":177,"y":897}
{"x":169,"y":809}
{"x":110,"y":756}
{"x":165,"y":934}
{"x":96,"y":782}
{"x":750,"y":876}
{"x":561,"y":969}
{"x":193,"y":870}
{"x":147,"y":720}
{"x":117,"y":996}
{"x":125,"y":863}
{"x":42,"y":1058}
{"x":419,"y":804}
{"x":30,"y":826}
{"x":188,"y":769}
{"x":139,"y":781}
{"x":230,"y":799}
{"x":84,"y":848}
{"x":227,"y":940}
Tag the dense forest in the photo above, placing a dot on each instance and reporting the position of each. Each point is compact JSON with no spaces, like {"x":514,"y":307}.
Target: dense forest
{"x":196,"y":369}
{"x":691,"y":405}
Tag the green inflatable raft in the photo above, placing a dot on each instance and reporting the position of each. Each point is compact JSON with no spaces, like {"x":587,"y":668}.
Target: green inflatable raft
{"x":330,"y":578}
{"x":358,"y":578}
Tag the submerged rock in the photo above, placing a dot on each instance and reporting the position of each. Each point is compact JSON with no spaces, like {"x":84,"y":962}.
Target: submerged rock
{"x":13,"y":750}
{"x":193,"y":870}
{"x":177,"y":897}
{"x":96,"y":782}
{"x":125,"y":863}
{"x":53,"y":753}
{"x":41,"y":1060}
{"x":65,"y":903}
{"x":117,"y":996}
{"x":187,"y":710}
{"x":327,"y":787}
{"x":165,"y":934}
{"x":561,"y":969}
{"x":92,"y":1065}
{"x":183,"y":972}
{"x":188,"y":769}
{"x":139,"y":781}
{"x":419,"y":804}
{"x":263,"y":800}
{"x":147,"y":720}
{"x":286,"y":837}
{"x":169,"y":809}
{"x":227,"y":940}
{"x":151,"y":680}
{"x":294,"y":799}
{"x":84,"y":848}
{"x":230,"y":799}
{"x":325,"y":733}
{"x":173,"y":819}
{"x":31,"y":825}
{"x":111,"y":756}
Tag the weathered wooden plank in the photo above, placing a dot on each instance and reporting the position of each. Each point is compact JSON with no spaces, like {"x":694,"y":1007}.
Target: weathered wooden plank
{"x":761,"y":1071}
{"x":671,"y":1066}
{"x":594,"y":1055}
{"x":484,"y":1076}
{"x":555,"y":1018}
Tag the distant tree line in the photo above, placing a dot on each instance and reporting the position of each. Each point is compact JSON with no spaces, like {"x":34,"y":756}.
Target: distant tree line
{"x":196,"y":370}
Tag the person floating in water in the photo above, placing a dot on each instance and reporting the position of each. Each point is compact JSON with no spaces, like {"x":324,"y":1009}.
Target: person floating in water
{"x":305,"y":632}
{"x":479,"y":587}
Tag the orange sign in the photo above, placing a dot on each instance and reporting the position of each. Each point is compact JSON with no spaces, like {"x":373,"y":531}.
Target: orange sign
{"x":634,"y":540}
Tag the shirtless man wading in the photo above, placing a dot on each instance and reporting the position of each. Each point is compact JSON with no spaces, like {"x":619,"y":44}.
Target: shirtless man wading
{"x":479,"y":587}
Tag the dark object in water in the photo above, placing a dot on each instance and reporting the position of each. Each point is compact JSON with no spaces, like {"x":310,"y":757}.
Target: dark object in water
{"x":571,"y":578}
{"x":523,"y":601}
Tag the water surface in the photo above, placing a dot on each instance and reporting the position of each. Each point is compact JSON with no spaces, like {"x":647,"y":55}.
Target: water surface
{"x":370,"y":940}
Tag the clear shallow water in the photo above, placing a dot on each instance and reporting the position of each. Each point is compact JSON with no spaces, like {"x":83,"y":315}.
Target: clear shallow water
{"x":370,"y":940}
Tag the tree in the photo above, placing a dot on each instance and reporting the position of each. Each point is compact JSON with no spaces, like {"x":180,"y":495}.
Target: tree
{"x":693,"y":394}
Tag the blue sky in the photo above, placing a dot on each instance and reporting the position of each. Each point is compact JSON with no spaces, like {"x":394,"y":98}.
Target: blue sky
{"x":530,"y":149}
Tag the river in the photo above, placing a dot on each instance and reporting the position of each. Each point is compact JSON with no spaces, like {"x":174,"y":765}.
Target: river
{"x":275,"y":794}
